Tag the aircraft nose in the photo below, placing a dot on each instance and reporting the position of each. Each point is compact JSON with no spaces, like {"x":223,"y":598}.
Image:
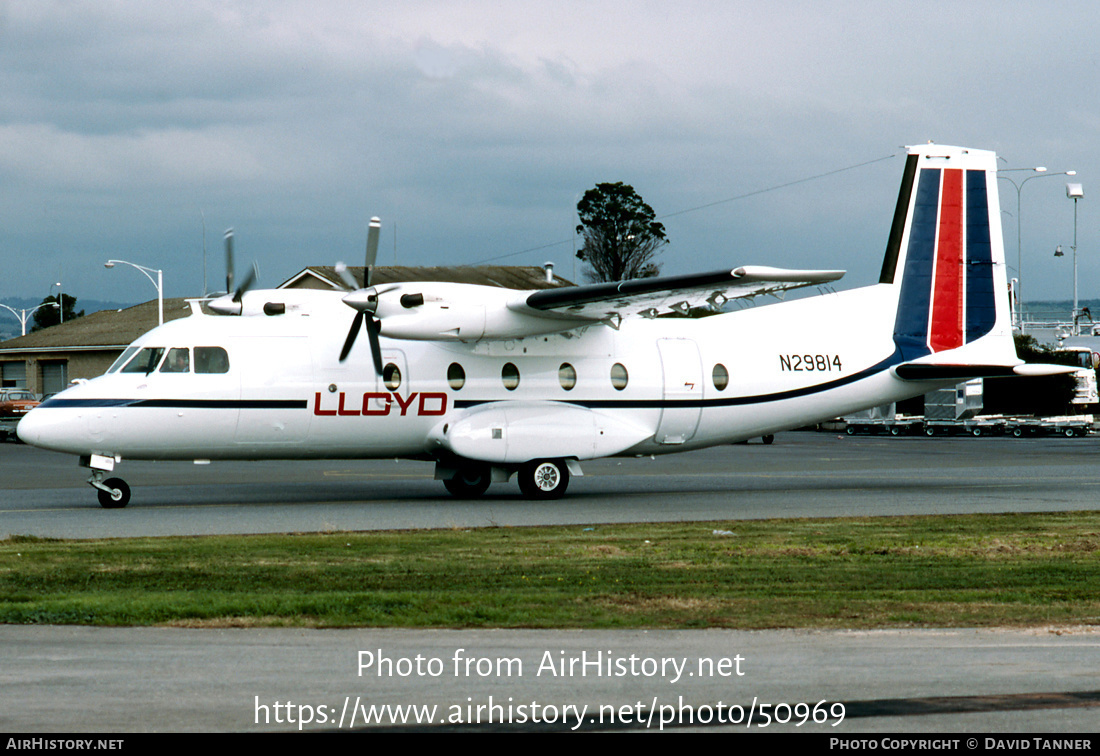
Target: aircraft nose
{"x":30,"y":428}
{"x":51,"y":429}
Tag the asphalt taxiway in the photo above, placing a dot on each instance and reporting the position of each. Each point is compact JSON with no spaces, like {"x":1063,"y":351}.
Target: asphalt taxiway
{"x":801,"y":475}
{"x":77,"y":679}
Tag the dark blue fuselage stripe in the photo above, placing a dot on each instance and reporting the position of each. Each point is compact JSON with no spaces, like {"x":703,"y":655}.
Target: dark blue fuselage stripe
{"x":182,"y":403}
{"x":911,"y":323}
{"x":981,"y":302}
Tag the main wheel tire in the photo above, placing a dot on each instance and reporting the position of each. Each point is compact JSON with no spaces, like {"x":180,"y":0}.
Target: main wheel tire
{"x":121,"y":497}
{"x":768,"y":439}
{"x":544,"y":479}
{"x":471,"y":482}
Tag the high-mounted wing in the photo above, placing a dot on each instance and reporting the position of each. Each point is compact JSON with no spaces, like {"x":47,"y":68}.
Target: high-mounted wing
{"x":438,"y":311}
{"x":650,"y":297}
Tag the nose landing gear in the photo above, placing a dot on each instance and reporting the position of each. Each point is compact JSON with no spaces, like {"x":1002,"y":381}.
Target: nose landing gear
{"x":113,"y":492}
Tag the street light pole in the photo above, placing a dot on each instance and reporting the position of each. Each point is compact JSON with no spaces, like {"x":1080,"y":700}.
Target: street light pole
{"x":27,"y":313}
{"x":1075,"y":192}
{"x":1041,"y":172}
{"x":159,"y":282}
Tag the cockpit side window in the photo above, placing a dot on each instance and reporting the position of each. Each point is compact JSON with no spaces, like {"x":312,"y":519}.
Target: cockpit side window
{"x":144,"y":361}
{"x":122,"y":359}
{"x":211,"y":360}
{"x":178,"y":361}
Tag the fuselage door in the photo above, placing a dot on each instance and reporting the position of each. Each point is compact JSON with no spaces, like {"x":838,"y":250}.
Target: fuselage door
{"x":276,"y":386}
{"x":683,"y":390}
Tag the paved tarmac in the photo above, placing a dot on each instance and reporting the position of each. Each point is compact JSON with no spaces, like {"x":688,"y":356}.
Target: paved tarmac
{"x":75,"y":679}
{"x":800,"y":475}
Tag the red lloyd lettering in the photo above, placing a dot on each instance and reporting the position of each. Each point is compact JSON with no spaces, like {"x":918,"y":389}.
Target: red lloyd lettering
{"x":379,"y":403}
{"x":383,"y":399}
{"x":432,"y":396}
{"x":404,"y":405}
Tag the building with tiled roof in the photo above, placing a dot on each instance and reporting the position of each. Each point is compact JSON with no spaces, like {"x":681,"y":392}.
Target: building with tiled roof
{"x":45,"y":361}
{"x":504,"y":276}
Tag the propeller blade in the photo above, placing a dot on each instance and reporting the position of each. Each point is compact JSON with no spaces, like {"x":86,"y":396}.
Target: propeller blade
{"x":345,"y":275}
{"x":372,"y":247}
{"x":350,"y":340}
{"x":246,"y":284}
{"x":374,"y":327}
{"x":228,"y":260}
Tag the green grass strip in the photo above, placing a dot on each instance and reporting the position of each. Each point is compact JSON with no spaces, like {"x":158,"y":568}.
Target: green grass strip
{"x":980,"y":570}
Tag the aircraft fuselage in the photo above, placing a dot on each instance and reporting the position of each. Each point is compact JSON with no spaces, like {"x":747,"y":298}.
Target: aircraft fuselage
{"x":662,"y":385}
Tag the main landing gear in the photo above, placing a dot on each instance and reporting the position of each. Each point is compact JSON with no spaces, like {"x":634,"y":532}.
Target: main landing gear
{"x":470,"y":482}
{"x":538,"y":479}
{"x":544,"y":479}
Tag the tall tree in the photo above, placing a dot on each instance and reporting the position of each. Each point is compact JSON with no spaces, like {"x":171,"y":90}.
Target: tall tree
{"x":50,"y":316}
{"x":621,"y":235}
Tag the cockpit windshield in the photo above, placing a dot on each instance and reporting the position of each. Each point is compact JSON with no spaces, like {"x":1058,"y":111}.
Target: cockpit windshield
{"x":207,"y":359}
{"x":122,"y":359}
{"x":145,"y":361}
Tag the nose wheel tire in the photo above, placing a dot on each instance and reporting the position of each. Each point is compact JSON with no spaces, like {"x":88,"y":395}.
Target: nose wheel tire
{"x":120,"y":497}
{"x":544,"y":479}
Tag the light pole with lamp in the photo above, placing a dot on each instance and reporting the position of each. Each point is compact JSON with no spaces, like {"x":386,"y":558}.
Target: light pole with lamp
{"x":1075,"y":192}
{"x":159,"y":283}
{"x":27,"y":313}
{"x":1040,"y":172}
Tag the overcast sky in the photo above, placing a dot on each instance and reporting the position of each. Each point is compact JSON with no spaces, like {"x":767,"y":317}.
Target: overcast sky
{"x":473,"y":128}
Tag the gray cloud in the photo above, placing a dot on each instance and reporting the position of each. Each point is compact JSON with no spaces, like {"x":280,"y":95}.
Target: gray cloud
{"x":475,"y":127}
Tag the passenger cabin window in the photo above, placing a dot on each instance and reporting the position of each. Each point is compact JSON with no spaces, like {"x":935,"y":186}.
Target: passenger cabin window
{"x":509,"y":374}
{"x":619,"y":376}
{"x":456,"y":376}
{"x":211,"y":360}
{"x":567,"y":376}
{"x":178,"y":361}
{"x":721,"y":376}
{"x":391,"y":376}
{"x":145,"y":361}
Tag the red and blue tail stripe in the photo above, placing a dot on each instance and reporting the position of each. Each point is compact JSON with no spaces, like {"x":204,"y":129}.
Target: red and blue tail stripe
{"x":947,"y":293}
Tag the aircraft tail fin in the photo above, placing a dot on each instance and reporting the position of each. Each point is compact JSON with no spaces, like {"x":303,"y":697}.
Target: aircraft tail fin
{"x":946,"y":257}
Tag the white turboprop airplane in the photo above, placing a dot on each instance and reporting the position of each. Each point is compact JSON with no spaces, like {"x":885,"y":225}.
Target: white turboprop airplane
{"x":488,"y":382}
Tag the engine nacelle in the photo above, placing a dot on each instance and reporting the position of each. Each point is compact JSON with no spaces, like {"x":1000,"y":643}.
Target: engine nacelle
{"x":461,"y":312}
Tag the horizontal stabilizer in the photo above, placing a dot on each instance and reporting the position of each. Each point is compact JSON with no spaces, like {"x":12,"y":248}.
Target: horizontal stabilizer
{"x":1036,"y":369}
{"x":932,"y":372}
